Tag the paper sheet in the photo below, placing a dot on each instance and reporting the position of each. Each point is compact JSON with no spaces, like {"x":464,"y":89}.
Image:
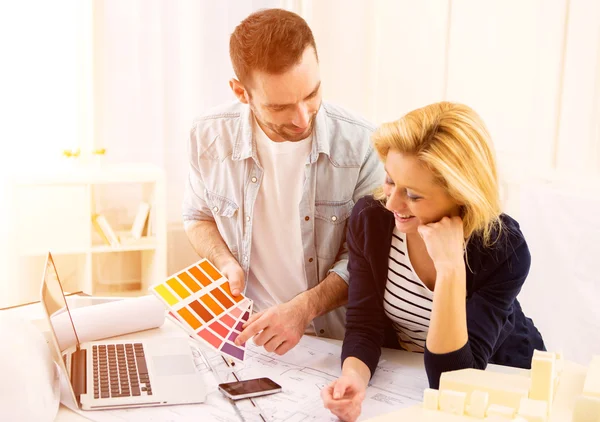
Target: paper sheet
{"x":302,"y":373}
{"x":109,"y":320}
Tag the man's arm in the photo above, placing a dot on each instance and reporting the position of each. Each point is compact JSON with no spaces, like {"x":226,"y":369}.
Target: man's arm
{"x":207,"y":242}
{"x":200,"y":226}
{"x":329,"y":294}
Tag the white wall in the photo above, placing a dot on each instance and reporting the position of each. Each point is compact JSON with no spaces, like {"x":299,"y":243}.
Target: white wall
{"x":531,"y":68}
{"x":159,"y":65}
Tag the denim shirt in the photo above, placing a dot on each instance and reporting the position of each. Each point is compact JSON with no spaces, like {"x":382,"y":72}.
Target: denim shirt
{"x":225,"y":175}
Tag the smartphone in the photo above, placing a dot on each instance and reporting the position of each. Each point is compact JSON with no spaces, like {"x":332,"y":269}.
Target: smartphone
{"x":249,"y":388}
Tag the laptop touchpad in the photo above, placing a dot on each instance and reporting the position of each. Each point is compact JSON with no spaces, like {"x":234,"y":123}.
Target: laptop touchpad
{"x":170,"y":365}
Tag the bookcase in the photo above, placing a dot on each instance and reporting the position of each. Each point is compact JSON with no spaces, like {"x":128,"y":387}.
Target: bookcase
{"x":54,"y":210}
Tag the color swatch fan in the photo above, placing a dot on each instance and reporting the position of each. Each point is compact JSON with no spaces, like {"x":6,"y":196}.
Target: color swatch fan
{"x":200,"y":298}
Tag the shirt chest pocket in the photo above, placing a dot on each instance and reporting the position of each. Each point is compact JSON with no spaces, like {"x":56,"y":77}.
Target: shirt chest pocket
{"x":225,"y":212}
{"x":331,"y":218}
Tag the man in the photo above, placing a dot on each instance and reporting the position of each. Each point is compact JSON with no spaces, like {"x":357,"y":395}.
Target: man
{"x":272,"y":182}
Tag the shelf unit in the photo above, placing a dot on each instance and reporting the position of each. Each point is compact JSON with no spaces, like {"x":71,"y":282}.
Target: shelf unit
{"x":53,"y":212}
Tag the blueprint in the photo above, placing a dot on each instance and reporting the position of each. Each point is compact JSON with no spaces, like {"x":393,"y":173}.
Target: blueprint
{"x":302,"y":372}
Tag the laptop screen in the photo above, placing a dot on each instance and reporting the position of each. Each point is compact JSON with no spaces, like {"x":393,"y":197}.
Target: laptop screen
{"x":53,"y":300}
{"x":62,"y":329}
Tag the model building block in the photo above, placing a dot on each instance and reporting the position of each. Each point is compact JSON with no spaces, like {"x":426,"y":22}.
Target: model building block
{"x":542,"y":377}
{"x":431,"y":399}
{"x":587,"y":409}
{"x":503,"y":389}
{"x":478,"y":403}
{"x":453,"y":402}
{"x":533,"y":410}
{"x":498,"y":418}
{"x":498,"y":410}
{"x":591,"y":387}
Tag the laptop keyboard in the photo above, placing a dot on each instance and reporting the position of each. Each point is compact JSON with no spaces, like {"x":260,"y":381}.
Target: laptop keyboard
{"x":120,"y":370}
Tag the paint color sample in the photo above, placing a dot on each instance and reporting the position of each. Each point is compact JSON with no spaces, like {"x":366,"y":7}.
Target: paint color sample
{"x":210,"y":338}
{"x":236,"y":312}
{"x":225,"y":286}
{"x":201,"y":311}
{"x":227,"y":320}
{"x":212,"y":305}
{"x":178,"y":288}
{"x":189,"y":282}
{"x":166,"y":294}
{"x":221,"y":297}
{"x":199,"y":275}
{"x":189,"y":318}
{"x":210,"y":270}
{"x":219,"y":328}
{"x":199,"y":300}
{"x":232,"y":350}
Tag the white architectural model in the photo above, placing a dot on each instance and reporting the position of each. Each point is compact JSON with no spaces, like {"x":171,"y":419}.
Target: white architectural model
{"x":587,"y":406}
{"x":468,"y":395}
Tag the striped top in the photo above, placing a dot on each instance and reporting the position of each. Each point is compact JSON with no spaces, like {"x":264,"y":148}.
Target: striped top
{"x":407,"y":301}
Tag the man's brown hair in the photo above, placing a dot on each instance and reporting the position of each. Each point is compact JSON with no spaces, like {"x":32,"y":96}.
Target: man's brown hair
{"x":270,"y":40}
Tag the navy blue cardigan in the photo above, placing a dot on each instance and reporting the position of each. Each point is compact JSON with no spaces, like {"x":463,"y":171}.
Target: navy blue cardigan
{"x":498,"y":330}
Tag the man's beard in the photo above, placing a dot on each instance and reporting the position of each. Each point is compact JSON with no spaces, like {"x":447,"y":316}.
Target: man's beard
{"x":286,"y":131}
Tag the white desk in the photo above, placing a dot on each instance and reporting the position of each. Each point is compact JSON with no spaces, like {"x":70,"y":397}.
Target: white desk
{"x":387,"y":378}
{"x":301,"y":359}
{"x":389,"y":357}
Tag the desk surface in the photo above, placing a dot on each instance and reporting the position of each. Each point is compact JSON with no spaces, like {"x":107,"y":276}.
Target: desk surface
{"x":390,"y":361}
{"x":389,"y":358}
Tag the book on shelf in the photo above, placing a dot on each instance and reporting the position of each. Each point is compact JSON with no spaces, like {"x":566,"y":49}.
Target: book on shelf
{"x":105,"y":230}
{"x":139,"y":223}
{"x":149,"y":224}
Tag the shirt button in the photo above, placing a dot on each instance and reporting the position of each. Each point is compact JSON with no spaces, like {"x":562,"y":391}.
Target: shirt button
{"x":245,"y":258}
{"x":306,"y":218}
{"x":215,"y":209}
{"x":310,"y":260}
{"x":254,"y":179}
{"x":248,"y":218}
{"x":333,"y":218}
{"x":322,"y":331}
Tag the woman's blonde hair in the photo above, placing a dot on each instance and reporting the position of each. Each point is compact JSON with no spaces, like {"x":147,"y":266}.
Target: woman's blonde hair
{"x":453,"y":142}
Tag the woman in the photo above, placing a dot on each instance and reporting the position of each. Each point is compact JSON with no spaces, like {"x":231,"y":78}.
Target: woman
{"x":435,"y":267}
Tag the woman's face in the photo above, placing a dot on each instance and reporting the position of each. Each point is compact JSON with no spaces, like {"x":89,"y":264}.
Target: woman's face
{"x":413,"y":194}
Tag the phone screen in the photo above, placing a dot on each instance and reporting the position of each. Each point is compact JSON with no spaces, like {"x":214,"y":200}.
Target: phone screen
{"x":250,"y":388}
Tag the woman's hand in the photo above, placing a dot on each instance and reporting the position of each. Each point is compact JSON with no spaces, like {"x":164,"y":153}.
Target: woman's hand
{"x":344,"y":397}
{"x":445,"y":241}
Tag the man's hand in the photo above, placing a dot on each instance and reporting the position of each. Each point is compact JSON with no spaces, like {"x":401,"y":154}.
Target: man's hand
{"x":233,"y":272}
{"x":278,"y":328}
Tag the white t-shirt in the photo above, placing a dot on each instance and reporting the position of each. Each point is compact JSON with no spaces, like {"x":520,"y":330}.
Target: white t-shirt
{"x":277,"y":257}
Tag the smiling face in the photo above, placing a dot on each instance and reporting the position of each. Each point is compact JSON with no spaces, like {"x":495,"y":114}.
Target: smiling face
{"x":285,"y":105}
{"x":414,"y":194}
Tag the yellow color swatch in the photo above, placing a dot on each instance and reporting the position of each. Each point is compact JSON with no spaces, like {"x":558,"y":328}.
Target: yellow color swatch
{"x":166,"y":294}
{"x":178,"y":288}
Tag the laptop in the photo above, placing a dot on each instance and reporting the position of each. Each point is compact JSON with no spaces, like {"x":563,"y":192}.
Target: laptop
{"x":111,"y":374}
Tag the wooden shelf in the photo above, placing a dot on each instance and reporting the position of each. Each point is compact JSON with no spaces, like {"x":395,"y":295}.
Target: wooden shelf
{"x":69,"y":196}
{"x":43,"y":252}
{"x":143,"y":244}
